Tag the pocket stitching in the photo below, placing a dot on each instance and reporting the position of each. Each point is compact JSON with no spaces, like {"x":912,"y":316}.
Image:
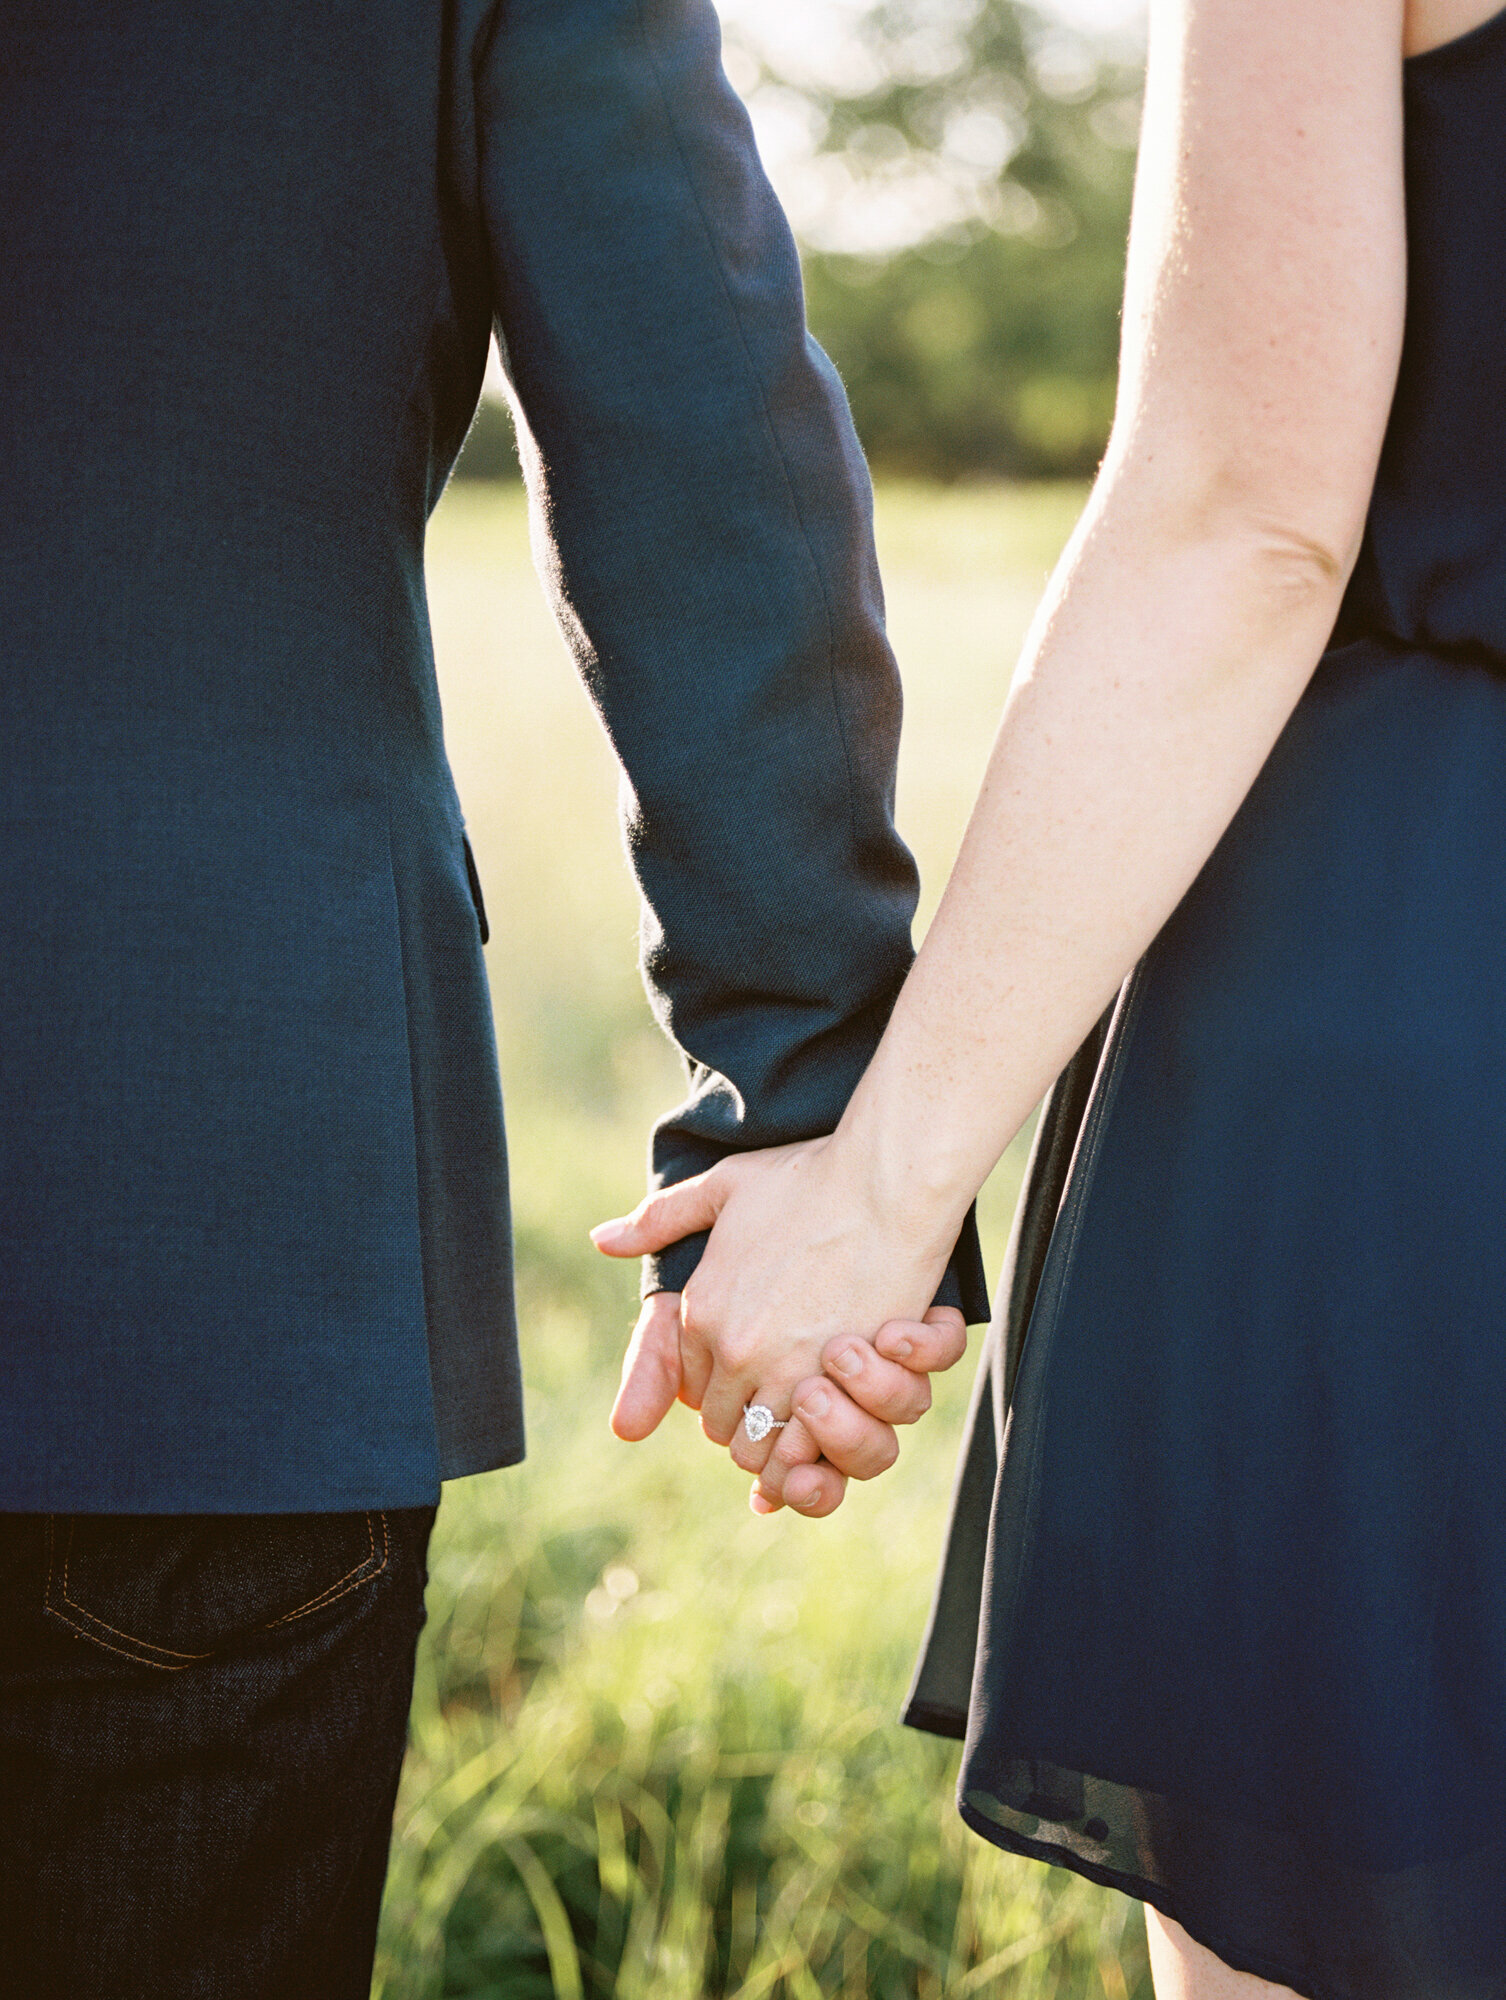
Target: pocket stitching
{"x":89,"y":1627}
{"x":167,"y":1658}
{"x":364,"y":1572}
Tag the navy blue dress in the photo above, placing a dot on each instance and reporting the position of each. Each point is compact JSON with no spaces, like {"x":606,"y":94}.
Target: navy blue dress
{"x":1223,"y":1616}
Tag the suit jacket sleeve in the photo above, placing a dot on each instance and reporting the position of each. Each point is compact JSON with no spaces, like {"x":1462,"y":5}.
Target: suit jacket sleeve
{"x":703,"y":522}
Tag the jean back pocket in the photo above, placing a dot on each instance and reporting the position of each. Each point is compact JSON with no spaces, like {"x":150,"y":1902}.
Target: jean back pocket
{"x":169,"y":1591}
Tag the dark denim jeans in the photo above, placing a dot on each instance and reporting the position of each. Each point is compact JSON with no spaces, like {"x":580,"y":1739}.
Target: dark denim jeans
{"x":202,"y":1720}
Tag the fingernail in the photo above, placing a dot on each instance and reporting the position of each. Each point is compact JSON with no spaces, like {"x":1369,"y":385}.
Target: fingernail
{"x":848,"y":1362}
{"x":814,"y":1403}
{"x":802,"y":1497}
{"x":899,"y":1350}
{"x":759,"y":1505}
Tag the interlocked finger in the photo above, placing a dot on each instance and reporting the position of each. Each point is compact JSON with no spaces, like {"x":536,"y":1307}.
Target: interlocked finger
{"x":885,"y":1389}
{"x":757,"y":1433}
{"x":695,"y":1362}
{"x":831,"y":1426}
{"x":806,"y":1482}
{"x":727,"y":1396}
{"x":927,"y":1345}
{"x":815,"y":1490}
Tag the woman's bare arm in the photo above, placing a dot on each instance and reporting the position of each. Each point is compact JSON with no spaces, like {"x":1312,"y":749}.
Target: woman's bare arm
{"x":1263,"y":324}
{"x":1263,"y":320}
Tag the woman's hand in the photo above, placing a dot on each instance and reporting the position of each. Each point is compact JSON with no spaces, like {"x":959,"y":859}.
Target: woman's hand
{"x":842,"y":1423}
{"x":845,"y":1419}
{"x":802,"y":1259}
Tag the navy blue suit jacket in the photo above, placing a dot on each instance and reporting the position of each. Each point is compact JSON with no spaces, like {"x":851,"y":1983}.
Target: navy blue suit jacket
{"x":254,"y":1251}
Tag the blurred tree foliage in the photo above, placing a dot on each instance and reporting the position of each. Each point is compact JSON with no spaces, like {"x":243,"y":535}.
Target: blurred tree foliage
{"x":990,"y":345}
{"x":984,"y":341}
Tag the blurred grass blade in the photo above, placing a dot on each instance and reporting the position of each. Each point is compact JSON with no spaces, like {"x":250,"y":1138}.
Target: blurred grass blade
{"x":554,"y":1921}
{"x":1012,"y":1955}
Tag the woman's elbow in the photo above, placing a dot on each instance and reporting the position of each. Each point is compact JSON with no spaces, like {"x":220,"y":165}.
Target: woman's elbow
{"x":1291,"y":544}
{"x":1304,"y":568}
{"x":1288,"y":502}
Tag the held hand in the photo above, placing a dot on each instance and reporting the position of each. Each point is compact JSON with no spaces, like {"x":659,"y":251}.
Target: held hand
{"x":651,"y":1385}
{"x":887,"y":1379}
{"x":798,"y":1254}
{"x":845,"y":1435}
{"x":799,"y":1258}
{"x":845,"y":1417}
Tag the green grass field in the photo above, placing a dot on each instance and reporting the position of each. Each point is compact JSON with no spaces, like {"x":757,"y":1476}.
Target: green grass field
{"x":655,"y":1753}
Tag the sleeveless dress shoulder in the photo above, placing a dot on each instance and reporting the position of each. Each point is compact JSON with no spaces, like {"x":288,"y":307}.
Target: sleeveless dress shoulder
{"x":1223,"y":1611}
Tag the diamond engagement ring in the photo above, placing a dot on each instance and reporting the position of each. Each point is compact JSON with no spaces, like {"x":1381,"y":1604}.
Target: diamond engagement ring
{"x":759,"y":1420}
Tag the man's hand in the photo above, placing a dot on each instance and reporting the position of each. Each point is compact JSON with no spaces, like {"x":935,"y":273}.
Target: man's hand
{"x":651,"y":1382}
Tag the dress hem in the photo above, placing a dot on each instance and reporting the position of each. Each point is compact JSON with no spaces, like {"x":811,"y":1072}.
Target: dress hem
{"x":1144,"y":1892}
{"x":935,"y":1720}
